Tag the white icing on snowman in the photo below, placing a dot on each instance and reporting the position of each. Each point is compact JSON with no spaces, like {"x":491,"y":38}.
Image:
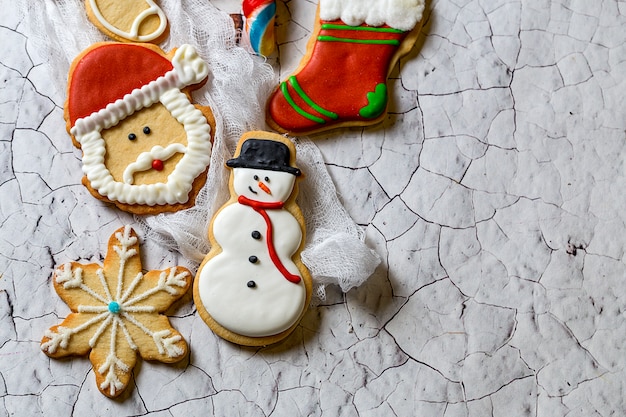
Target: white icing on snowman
{"x":242,"y":288}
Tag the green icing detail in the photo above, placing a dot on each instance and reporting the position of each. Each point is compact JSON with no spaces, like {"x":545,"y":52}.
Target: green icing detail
{"x":376,"y":102}
{"x":361,"y":28}
{"x":307,"y":99}
{"x":394,"y":42}
{"x":284,"y":89}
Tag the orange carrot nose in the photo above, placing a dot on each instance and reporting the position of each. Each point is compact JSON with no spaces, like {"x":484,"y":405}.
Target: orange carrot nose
{"x":265,"y":188}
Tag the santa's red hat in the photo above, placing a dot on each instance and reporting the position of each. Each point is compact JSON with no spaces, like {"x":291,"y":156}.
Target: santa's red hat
{"x":113,"y":80}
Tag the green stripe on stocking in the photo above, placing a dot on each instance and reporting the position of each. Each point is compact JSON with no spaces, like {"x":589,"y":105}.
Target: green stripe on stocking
{"x":307,"y":100}
{"x":325,"y":38}
{"x":285,"y":90}
{"x":362,"y":28}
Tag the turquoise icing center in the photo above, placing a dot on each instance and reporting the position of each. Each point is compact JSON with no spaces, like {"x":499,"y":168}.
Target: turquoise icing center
{"x":114,"y":307}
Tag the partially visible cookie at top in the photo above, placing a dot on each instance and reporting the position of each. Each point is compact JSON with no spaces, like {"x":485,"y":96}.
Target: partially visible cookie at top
{"x":129,"y":20}
{"x":146,"y":146}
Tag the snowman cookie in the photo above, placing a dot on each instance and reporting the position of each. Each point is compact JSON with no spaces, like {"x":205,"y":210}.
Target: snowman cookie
{"x":146,"y":146}
{"x":128,"y":20}
{"x":252,"y":288}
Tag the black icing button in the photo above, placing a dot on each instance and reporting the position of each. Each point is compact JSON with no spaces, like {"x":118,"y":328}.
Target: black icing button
{"x":253,"y":259}
{"x":251,"y":284}
{"x":256,"y":235}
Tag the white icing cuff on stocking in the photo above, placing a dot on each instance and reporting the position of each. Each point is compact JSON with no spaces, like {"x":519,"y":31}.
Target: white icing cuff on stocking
{"x":399,"y":14}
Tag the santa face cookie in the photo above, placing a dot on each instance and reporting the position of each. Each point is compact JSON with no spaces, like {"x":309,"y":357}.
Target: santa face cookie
{"x":252,"y":288}
{"x":116,"y":313}
{"x":146,"y":146}
{"x":128,"y":20}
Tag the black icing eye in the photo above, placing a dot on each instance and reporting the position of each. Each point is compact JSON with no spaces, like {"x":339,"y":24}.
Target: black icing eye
{"x":146,"y":130}
{"x":256,"y":177}
{"x":267,"y":179}
{"x":132,"y":136}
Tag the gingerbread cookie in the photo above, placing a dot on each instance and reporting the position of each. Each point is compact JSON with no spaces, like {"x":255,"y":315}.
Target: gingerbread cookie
{"x":146,"y":146}
{"x":341,"y":81}
{"x":116,"y":313}
{"x":128,"y":20}
{"x":252,"y":288}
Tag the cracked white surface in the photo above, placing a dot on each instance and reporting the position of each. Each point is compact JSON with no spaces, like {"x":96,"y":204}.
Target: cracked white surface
{"x":495,"y":193}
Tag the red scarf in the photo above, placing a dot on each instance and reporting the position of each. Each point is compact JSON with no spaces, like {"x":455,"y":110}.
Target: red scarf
{"x":261,"y":207}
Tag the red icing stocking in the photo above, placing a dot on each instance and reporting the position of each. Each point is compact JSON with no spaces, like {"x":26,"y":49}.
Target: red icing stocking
{"x":342,"y":82}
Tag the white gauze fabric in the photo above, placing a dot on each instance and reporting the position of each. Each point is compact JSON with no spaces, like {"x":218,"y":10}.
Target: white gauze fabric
{"x":238,"y":86}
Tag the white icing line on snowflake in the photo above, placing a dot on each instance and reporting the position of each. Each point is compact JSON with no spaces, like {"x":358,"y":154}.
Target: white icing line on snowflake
{"x":167,"y":345}
{"x":139,"y":309}
{"x":101,"y":329}
{"x":164,"y":345}
{"x":92,"y":309}
{"x":107,"y":292}
{"x":59,"y":338}
{"x":131,"y":288}
{"x":166,"y":283}
{"x":69,"y":278}
{"x":126,"y":240}
{"x":111,"y":379}
{"x":129,"y":338}
{"x":74,"y":279}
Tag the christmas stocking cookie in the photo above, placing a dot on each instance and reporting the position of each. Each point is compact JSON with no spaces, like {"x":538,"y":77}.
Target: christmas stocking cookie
{"x":341,"y":81}
{"x":146,"y":146}
{"x":117,"y":313}
{"x":252,"y":288}
{"x":128,"y":20}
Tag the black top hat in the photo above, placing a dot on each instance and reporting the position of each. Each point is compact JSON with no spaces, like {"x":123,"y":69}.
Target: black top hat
{"x":264,"y":154}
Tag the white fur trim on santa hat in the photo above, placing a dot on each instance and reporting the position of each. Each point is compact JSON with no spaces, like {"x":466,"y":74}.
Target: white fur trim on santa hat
{"x":189,"y":69}
{"x":399,"y":14}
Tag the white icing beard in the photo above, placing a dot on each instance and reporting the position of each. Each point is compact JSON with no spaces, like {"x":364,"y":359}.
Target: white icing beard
{"x":399,"y":14}
{"x":179,"y":182}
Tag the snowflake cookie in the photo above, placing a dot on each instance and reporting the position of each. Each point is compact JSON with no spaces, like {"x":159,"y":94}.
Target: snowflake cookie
{"x":116,"y":313}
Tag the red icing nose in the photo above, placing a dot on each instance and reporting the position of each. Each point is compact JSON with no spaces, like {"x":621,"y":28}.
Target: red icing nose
{"x":157,"y":164}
